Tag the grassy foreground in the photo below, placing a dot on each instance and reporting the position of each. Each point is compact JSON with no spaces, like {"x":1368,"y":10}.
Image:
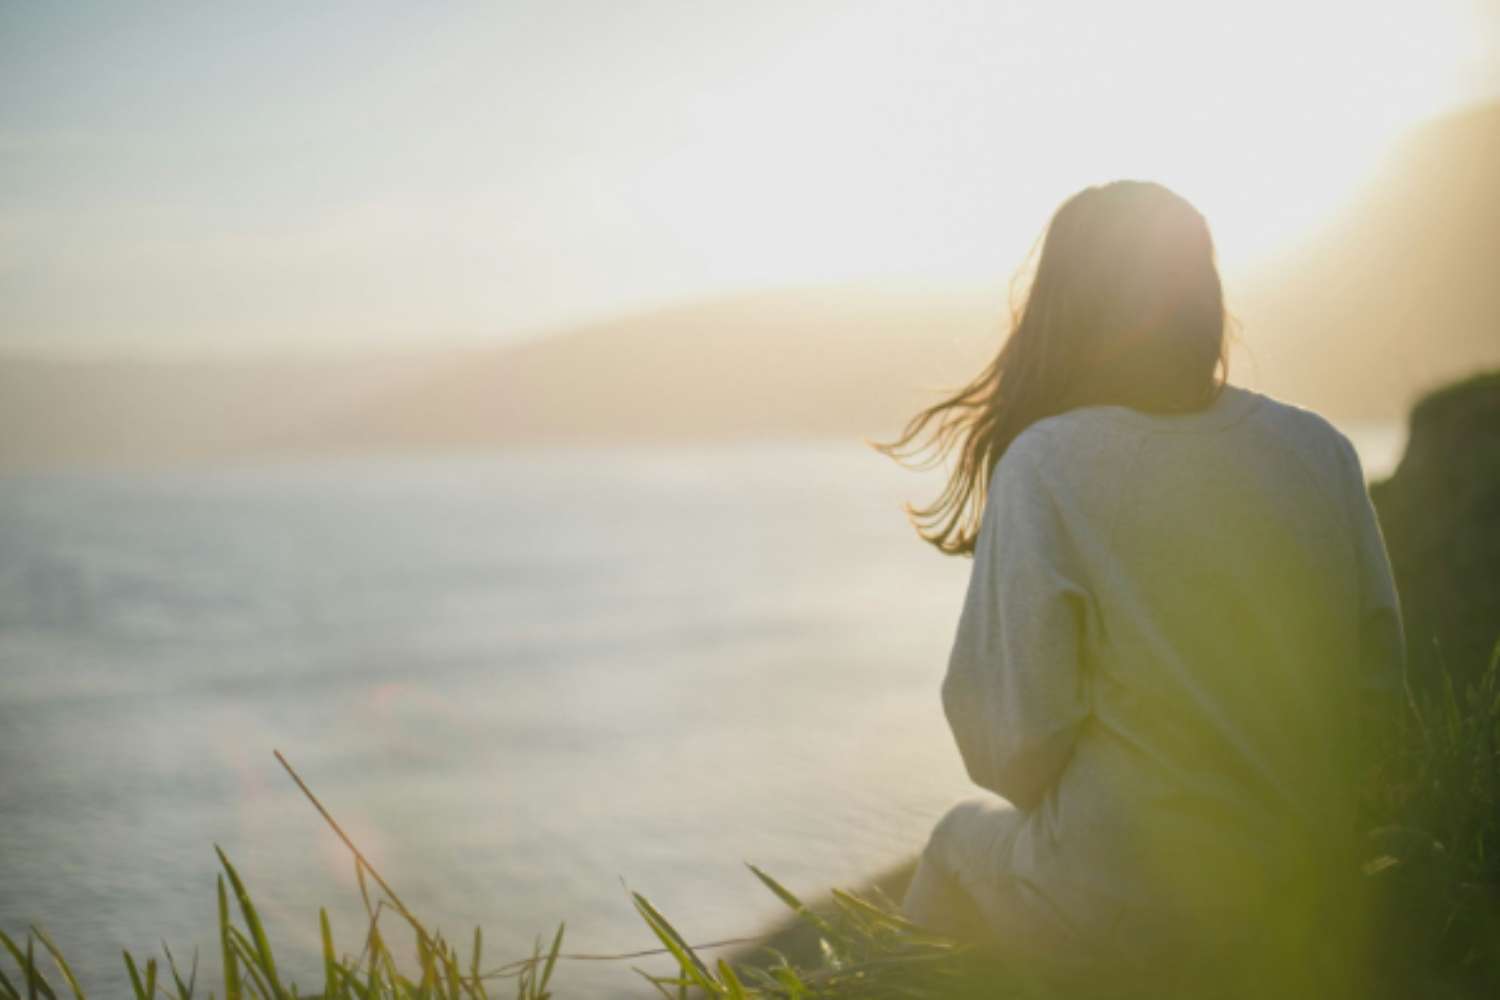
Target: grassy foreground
{"x":1431,"y":902}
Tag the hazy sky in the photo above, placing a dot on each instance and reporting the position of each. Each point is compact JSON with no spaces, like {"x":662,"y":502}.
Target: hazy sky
{"x":254,"y":177}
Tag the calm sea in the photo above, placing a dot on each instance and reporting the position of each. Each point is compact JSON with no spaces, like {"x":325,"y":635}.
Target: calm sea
{"x":524,"y":682}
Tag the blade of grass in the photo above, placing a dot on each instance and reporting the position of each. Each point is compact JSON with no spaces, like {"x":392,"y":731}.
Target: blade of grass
{"x":355,"y":986}
{"x":23,"y":965}
{"x":247,"y":959}
{"x":786,"y":896}
{"x":526,"y":986}
{"x":35,"y":981}
{"x":877,"y":914}
{"x":135,"y":978}
{"x":370,"y":935}
{"x":426,"y":963}
{"x":231,"y":964}
{"x":330,"y":960}
{"x":452,"y":976}
{"x":267,"y":962}
{"x":474,"y":961}
{"x":59,"y":961}
{"x":692,"y":965}
{"x":373,"y":945}
{"x":733,"y":988}
{"x":184,"y":990}
{"x":552,"y":954}
{"x":364,"y":888}
{"x":348,"y":842}
{"x":388,"y":966}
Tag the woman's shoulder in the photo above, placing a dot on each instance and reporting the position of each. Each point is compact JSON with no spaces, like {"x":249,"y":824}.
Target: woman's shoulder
{"x":1067,"y":453}
{"x":1090,"y":442}
{"x":1077,"y":432}
{"x":1308,"y":432}
{"x":1294,"y":415}
{"x":1236,"y":408}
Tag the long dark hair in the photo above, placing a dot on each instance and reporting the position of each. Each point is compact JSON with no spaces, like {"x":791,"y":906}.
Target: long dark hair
{"x":1125,"y":307}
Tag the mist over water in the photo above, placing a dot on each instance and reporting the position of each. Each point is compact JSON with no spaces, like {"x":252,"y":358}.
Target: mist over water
{"x":516,"y":678}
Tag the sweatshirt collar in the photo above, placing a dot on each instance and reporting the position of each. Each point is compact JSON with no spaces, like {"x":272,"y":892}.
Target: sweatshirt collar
{"x":1231,"y":405}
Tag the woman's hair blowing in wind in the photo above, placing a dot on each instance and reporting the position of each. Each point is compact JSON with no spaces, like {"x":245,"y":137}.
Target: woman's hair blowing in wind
{"x":1124,"y":308}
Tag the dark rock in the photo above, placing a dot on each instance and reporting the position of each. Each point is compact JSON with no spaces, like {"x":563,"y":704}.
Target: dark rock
{"x":1440,"y":513}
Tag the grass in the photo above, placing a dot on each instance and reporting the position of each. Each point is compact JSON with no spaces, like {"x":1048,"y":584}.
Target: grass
{"x":1429,"y":898}
{"x":1434,"y":814}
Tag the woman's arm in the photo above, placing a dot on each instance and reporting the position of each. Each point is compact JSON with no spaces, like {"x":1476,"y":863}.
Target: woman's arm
{"x":1382,"y":641}
{"x":1014,"y":693}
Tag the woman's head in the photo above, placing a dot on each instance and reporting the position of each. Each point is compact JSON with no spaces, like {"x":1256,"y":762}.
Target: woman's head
{"x":1124,"y":307}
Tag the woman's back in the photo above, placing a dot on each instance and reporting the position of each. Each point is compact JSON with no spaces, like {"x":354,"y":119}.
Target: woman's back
{"x":1178,"y":603}
{"x":1167,"y":629}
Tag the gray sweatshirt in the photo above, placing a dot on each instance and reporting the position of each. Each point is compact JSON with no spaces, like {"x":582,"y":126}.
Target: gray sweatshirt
{"x":1169,"y":628}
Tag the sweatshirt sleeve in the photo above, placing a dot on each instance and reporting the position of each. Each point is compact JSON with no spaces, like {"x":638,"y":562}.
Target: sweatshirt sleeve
{"x":1014,"y":692}
{"x":1382,"y":639}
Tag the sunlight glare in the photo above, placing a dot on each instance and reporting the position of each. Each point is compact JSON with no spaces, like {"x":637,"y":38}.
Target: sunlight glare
{"x":1268,"y":117}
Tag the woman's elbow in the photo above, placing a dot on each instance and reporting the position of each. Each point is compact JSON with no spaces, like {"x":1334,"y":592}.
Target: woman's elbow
{"x":1008,"y":778}
{"x":1024,"y":777}
{"x":1019,"y":787}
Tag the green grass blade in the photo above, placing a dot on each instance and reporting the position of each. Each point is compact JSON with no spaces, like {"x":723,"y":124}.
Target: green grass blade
{"x":59,"y":961}
{"x":330,"y":959}
{"x":135,"y":978}
{"x":15,"y":954}
{"x":474,"y":975}
{"x":23,"y":965}
{"x":364,"y":889}
{"x":453,"y":976}
{"x":245,"y":948}
{"x":551,"y":958}
{"x":231,"y":964}
{"x":374,"y":944}
{"x":427,"y":963}
{"x":733,"y":988}
{"x":692,"y":966}
{"x":349,"y":986}
{"x":526,"y":987}
{"x":184,"y":990}
{"x":10,"y":946}
{"x":392,"y":974}
{"x":785,"y":895}
{"x":875,"y":914}
{"x":267,"y":961}
{"x":36,"y":982}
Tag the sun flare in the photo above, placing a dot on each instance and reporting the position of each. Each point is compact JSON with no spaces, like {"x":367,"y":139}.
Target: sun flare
{"x":938,"y":148}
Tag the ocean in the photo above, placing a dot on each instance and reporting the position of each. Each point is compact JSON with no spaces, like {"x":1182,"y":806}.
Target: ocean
{"x":526,"y":682}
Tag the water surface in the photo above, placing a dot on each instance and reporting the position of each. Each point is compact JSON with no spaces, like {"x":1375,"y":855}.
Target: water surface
{"x":518,"y":679}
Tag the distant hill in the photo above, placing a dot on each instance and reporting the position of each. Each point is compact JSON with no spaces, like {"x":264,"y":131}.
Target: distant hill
{"x":771,"y":364}
{"x":815,"y":362}
{"x":1398,"y":293}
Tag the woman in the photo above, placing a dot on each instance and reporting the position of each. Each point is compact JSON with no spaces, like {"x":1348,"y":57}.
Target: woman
{"x":1179,"y":602}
